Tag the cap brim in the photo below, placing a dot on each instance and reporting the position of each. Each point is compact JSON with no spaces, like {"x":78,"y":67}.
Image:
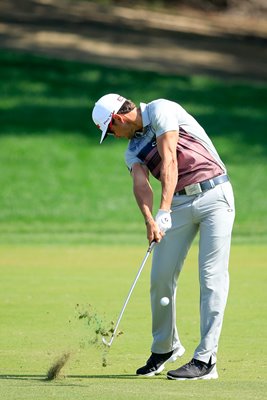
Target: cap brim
{"x":103,"y":136}
{"x":104,"y":132}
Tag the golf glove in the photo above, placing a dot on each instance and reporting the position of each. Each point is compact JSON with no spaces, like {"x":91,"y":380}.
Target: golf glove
{"x":163,"y":220}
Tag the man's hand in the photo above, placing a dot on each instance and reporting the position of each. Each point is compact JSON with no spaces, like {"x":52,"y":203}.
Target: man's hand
{"x":163,"y":220}
{"x":153,"y":231}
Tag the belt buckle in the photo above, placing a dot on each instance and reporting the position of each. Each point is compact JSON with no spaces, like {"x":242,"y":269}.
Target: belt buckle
{"x":212,"y":184}
{"x":195,"y":188}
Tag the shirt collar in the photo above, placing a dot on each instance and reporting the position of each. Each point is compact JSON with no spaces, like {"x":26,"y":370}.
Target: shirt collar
{"x":144,"y":113}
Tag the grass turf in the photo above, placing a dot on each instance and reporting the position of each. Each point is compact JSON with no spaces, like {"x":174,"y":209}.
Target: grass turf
{"x":40,"y":289}
{"x":58,"y":184}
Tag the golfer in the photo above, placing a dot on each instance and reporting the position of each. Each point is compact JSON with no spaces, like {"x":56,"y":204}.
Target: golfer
{"x":196,"y":196}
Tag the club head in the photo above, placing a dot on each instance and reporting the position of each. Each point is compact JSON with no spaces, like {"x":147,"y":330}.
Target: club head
{"x":105,"y":342}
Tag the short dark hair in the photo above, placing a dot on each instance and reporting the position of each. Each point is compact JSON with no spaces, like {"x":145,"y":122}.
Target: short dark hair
{"x":127,"y":106}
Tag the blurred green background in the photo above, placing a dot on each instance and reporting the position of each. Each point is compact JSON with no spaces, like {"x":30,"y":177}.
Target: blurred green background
{"x":59,"y":185}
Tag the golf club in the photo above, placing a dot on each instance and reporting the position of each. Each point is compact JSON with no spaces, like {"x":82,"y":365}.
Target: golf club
{"x":149,"y":250}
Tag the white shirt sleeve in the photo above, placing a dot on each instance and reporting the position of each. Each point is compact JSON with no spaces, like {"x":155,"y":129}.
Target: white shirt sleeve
{"x":164,"y":117}
{"x":131,"y":159}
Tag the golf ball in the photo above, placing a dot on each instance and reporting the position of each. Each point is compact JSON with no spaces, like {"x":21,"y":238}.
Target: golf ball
{"x":164,"y":301}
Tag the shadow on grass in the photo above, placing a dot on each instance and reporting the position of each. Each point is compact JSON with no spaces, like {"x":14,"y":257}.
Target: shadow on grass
{"x":120,"y":376}
{"x":43,"y":96}
{"x":23,"y":377}
{"x":99,"y":25}
{"x":43,"y":378}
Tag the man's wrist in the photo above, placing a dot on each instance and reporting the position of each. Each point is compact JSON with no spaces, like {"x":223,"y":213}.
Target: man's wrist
{"x":168,"y":210}
{"x":148,"y":220}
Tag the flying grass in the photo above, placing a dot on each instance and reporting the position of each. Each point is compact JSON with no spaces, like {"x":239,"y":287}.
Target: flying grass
{"x":56,"y":368}
{"x":97,"y":328}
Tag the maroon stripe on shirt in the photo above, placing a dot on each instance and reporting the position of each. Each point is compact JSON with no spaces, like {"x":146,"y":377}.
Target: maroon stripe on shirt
{"x":195,"y":163}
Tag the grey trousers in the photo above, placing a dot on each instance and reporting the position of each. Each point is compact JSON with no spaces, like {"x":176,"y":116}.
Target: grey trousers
{"x":212,"y":214}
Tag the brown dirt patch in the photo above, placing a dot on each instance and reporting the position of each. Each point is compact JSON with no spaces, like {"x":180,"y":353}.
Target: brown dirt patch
{"x":229,"y":45}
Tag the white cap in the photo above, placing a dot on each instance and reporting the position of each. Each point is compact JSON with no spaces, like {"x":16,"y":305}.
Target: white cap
{"x":103,"y":110}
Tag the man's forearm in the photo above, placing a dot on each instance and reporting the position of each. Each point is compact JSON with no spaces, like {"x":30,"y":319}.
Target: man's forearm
{"x":167,"y":144}
{"x":168,"y":177}
{"x":144,"y":199}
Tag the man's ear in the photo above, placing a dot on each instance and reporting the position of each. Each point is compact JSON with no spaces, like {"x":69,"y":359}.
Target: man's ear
{"x":119,"y":117}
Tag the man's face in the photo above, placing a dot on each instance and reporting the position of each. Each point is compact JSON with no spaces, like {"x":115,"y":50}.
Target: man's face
{"x":121,"y":127}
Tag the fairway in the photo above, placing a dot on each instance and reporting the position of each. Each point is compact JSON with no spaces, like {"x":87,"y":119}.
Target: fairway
{"x":41,"y":287}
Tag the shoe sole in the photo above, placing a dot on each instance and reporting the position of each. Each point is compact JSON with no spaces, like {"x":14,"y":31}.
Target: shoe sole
{"x":172,"y":359}
{"x":211,"y":375}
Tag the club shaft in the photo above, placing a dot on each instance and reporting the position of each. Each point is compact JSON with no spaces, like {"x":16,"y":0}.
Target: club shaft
{"x":130,"y":291}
